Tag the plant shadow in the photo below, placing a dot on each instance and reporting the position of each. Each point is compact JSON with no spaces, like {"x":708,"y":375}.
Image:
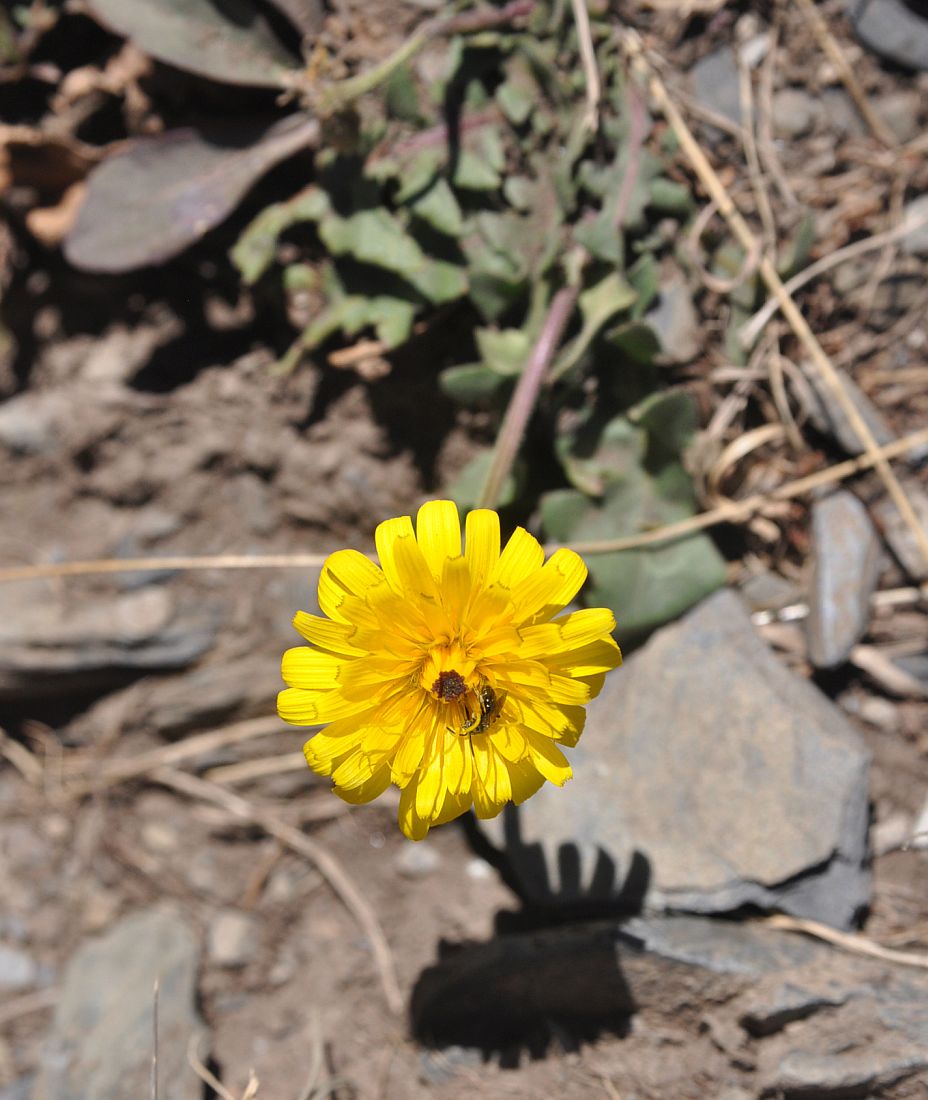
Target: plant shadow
{"x":551,"y":976}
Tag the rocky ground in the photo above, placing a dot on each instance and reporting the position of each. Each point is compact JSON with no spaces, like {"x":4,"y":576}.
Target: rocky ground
{"x":765,"y":754}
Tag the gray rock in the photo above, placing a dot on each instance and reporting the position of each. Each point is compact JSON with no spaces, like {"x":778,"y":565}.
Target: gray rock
{"x":900,"y":536}
{"x":715,"y":83}
{"x":233,"y":939}
{"x":893,"y":29}
{"x":830,"y":418}
{"x":794,"y":112}
{"x":18,"y":971}
{"x":101,"y":1039}
{"x":770,"y":591}
{"x":846,"y":557}
{"x":709,"y":777}
{"x":841,"y":115}
{"x":20,"y":1089}
{"x":915,"y":217}
{"x":675,"y":321}
{"x":900,"y":111}
{"x":418,"y":860}
{"x":31,"y":423}
{"x":50,"y":643}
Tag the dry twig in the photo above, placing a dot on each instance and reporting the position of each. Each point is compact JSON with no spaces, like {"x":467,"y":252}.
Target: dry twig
{"x":833,"y":51}
{"x":848,"y":941}
{"x":327,"y":865}
{"x":590,"y":68}
{"x":740,"y":510}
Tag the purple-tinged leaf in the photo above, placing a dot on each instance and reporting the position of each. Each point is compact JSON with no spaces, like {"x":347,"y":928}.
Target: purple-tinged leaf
{"x":225,"y":40}
{"x":150,"y":201}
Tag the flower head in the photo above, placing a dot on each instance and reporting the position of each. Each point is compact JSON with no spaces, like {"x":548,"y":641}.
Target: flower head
{"x":452,"y":674}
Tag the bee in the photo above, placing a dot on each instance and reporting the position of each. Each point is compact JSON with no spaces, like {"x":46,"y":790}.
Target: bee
{"x":491,"y":706}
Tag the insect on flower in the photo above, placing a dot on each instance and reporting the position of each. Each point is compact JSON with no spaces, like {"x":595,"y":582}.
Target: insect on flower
{"x":452,"y":672}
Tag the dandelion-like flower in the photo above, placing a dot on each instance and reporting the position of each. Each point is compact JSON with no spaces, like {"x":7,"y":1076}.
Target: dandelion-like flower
{"x":452,"y":674}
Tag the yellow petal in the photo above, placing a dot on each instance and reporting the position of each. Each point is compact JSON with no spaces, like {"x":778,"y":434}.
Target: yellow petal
{"x":455,"y":590}
{"x":386,"y":537}
{"x":369,"y":790}
{"x":548,"y":590}
{"x":548,"y":759}
{"x":332,"y":636}
{"x":589,"y":660}
{"x":520,"y":558}
{"x":430,"y":792}
{"x":570,"y":632}
{"x":454,"y":806}
{"x":438,"y":530}
{"x":492,"y":788}
{"x":303,"y":667}
{"x":525,"y":780}
{"x":316,"y":708}
{"x":481,"y":545}
{"x":413,"y":826}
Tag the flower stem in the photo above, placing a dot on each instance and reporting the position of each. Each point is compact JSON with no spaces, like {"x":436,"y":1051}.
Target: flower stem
{"x":525,"y":394}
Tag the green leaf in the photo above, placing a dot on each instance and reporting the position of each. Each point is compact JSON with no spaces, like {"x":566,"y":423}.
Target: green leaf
{"x":600,"y":237}
{"x":401,"y":96}
{"x":670,"y":418}
{"x":645,"y":276}
{"x":230,"y":42}
{"x":156,"y":197}
{"x":439,"y":281}
{"x":504,"y":351}
{"x":597,"y":305}
{"x":648,"y":586}
{"x":255,"y":249}
{"x":669,"y":197}
{"x":439,"y":208}
{"x":473,"y":173}
{"x":372,"y":237}
{"x":471,"y":384}
{"x":635,"y":340}
{"x":391,"y":319}
{"x":797,"y":253}
{"x":416,"y":173}
{"x":516,"y":100}
{"x":466,"y":488}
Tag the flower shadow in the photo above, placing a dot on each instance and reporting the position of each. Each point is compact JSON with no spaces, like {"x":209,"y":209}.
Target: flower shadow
{"x":551,"y":976}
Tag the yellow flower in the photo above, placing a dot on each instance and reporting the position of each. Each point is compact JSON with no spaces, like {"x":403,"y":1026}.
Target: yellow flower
{"x":450,"y":674}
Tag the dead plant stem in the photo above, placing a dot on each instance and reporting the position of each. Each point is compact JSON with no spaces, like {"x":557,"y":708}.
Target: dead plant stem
{"x":323,"y":860}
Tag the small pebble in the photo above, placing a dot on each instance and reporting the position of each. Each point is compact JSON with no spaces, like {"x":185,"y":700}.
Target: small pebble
{"x":233,"y":939}
{"x":417,"y":860}
{"x":479,"y":870}
{"x":159,"y":836}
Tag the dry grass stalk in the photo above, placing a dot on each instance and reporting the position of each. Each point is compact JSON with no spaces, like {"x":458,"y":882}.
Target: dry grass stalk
{"x":717,"y":192}
{"x":740,"y":510}
{"x":754,"y":326}
{"x":835,"y":54}
{"x":323,"y":860}
{"x":848,"y":941}
{"x":185,"y":563}
{"x":118,"y":770}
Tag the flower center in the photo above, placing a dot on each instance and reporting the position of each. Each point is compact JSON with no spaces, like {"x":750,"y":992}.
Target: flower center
{"x":447,"y":672}
{"x":449,"y":686}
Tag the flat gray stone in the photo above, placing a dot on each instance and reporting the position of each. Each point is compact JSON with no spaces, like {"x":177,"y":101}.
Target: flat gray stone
{"x":709,"y":777}
{"x":892,"y":29}
{"x":715,"y":83}
{"x":915,"y":217}
{"x":846,"y":554}
{"x":899,"y":534}
{"x":829,"y":417}
{"x":59,"y":643}
{"x":101,"y":1039}
{"x":795,"y":112}
{"x":233,"y":939}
